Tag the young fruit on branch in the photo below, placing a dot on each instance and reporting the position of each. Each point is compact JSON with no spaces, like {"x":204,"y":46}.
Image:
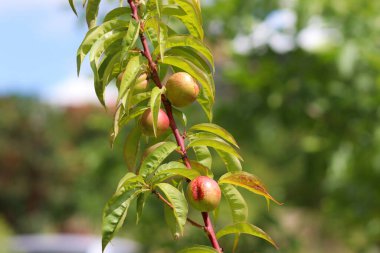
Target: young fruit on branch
{"x":203,"y":193}
{"x":181,"y":89}
{"x":146,"y":123}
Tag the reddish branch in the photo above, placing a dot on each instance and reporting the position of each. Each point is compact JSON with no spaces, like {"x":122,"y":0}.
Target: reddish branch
{"x":179,"y":139}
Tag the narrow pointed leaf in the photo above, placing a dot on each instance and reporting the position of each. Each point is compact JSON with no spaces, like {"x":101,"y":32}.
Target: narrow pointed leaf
{"x":191,"y":42}
{"x":247,"y":181}
{"x":215,"y":143}
{"x":128,"y":177}
{"x":245,"y":228}
{"x":188,"y":13}
{"x":231,"y":162}
{"x":116,"y":210}
{"x":168,"y":166}
{"x":133,"y":68}
{"x":131,"y":147}
{"x":178,"y":202}
{"x":203,"y":155}
{"x":116,"y":124}
{"x":199,"y":249}
{"x":140,"y":97}
{"x":123,"y":13}
{"x":236,"y":202}
{"x":92,"y":12}
{"x":214,"y":129}
{"x":202,"y":170}
{"x":155,"y":104}
{"x":112,"y":69}
{"x":93,"y":35}
{"x":181,"y":115}
{"x":135,"y":112}
{"x":141,"y":199}
{"x":155,"y":158}
{"x":71,"y":2}
{"x":183,"y":172}
{"x":130,"y":39}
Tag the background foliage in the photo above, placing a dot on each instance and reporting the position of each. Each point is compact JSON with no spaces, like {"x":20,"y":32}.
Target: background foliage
{"x":307,"y":121}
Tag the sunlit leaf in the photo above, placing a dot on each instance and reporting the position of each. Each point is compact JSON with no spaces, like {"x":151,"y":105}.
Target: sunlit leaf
{"x":188,"y":13}
{"x":71,"y":2}
{"x":118,"y":13}
{"x":181,"y":115}
{"x":132,"y":70}
{"x":202,"y":170}
{"x":168,"y":166}
{"x":155,"y":158}
{"x":245,"y":228}
{"x":131,"y":147}
{"x":116,"y":125}
{"x":214,"y":129}
{"x":179,"y":204}
{"x":93,"y":35}
{"x":191,"y":42}
{"x":135,"y":112}
{"x":116,"y":210}
{"x":215,"y":143}
{"x":236,"y":202}
{"x":130,"y":38}
{"x":183,"y":172}
{"x":199,"y":249}
{"x":203,"y":155}
{"x":92,"y":12}
{"x":231,"y":162}
{"x":247,"y":181}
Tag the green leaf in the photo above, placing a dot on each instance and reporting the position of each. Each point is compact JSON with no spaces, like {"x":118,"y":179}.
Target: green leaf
{"x":132,"y":70}
{"x":235,"y":200}
{"x":135,"y":112}
{"x":116,"y":210}
{"x":183,"y":172}
{"x":155,"y":104}
{"x":93,"y":35}
{"x":179,"y":203}
{"x":247,"y":181}
{"x":130,"y":39}
{"x":191,"y":42}
{"x":128,"y":177}
{"x":116,"y":124}
{"x":71,"y":2}
{"x":199,"y":249}
{"x":169,"y":165}
{"x":189,"y":14}
{"x":203,"y":170}
{"x":155,"y":158}
{"x":215,"y":143}
{"x":214,"y":129}
{"x":203,"y":155}
{"x":172,"y":223}
{"x":123,"y":13}
{"x":231,"y":162}
{"x":92,"y":12}
{"x":245,"y":228}
{"x":131,"y":147}
{"x":207,"y":99}
{"x":140,"y":97}
{"x":141,"y":199}
{"x":181,"y":115}
{"x":111,"y":70}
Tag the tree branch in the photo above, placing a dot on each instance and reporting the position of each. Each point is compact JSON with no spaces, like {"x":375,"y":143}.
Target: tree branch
{"x":168,"y":108}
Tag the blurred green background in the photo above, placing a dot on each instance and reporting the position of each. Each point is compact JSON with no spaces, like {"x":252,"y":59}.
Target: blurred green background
{"x":297,"y":85}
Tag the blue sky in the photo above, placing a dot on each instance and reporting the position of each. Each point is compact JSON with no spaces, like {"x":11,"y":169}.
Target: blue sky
{"x":38,"y":48}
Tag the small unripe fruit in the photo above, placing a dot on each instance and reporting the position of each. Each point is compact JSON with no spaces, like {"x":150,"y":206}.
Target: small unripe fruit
{"x":181,"y":89}
{"x":203,"y":193}
{"x":146,"y":123}
{"x":141,"y":82}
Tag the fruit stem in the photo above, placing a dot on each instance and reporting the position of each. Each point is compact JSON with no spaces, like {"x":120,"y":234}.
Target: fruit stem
{"x":168,"y":108}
